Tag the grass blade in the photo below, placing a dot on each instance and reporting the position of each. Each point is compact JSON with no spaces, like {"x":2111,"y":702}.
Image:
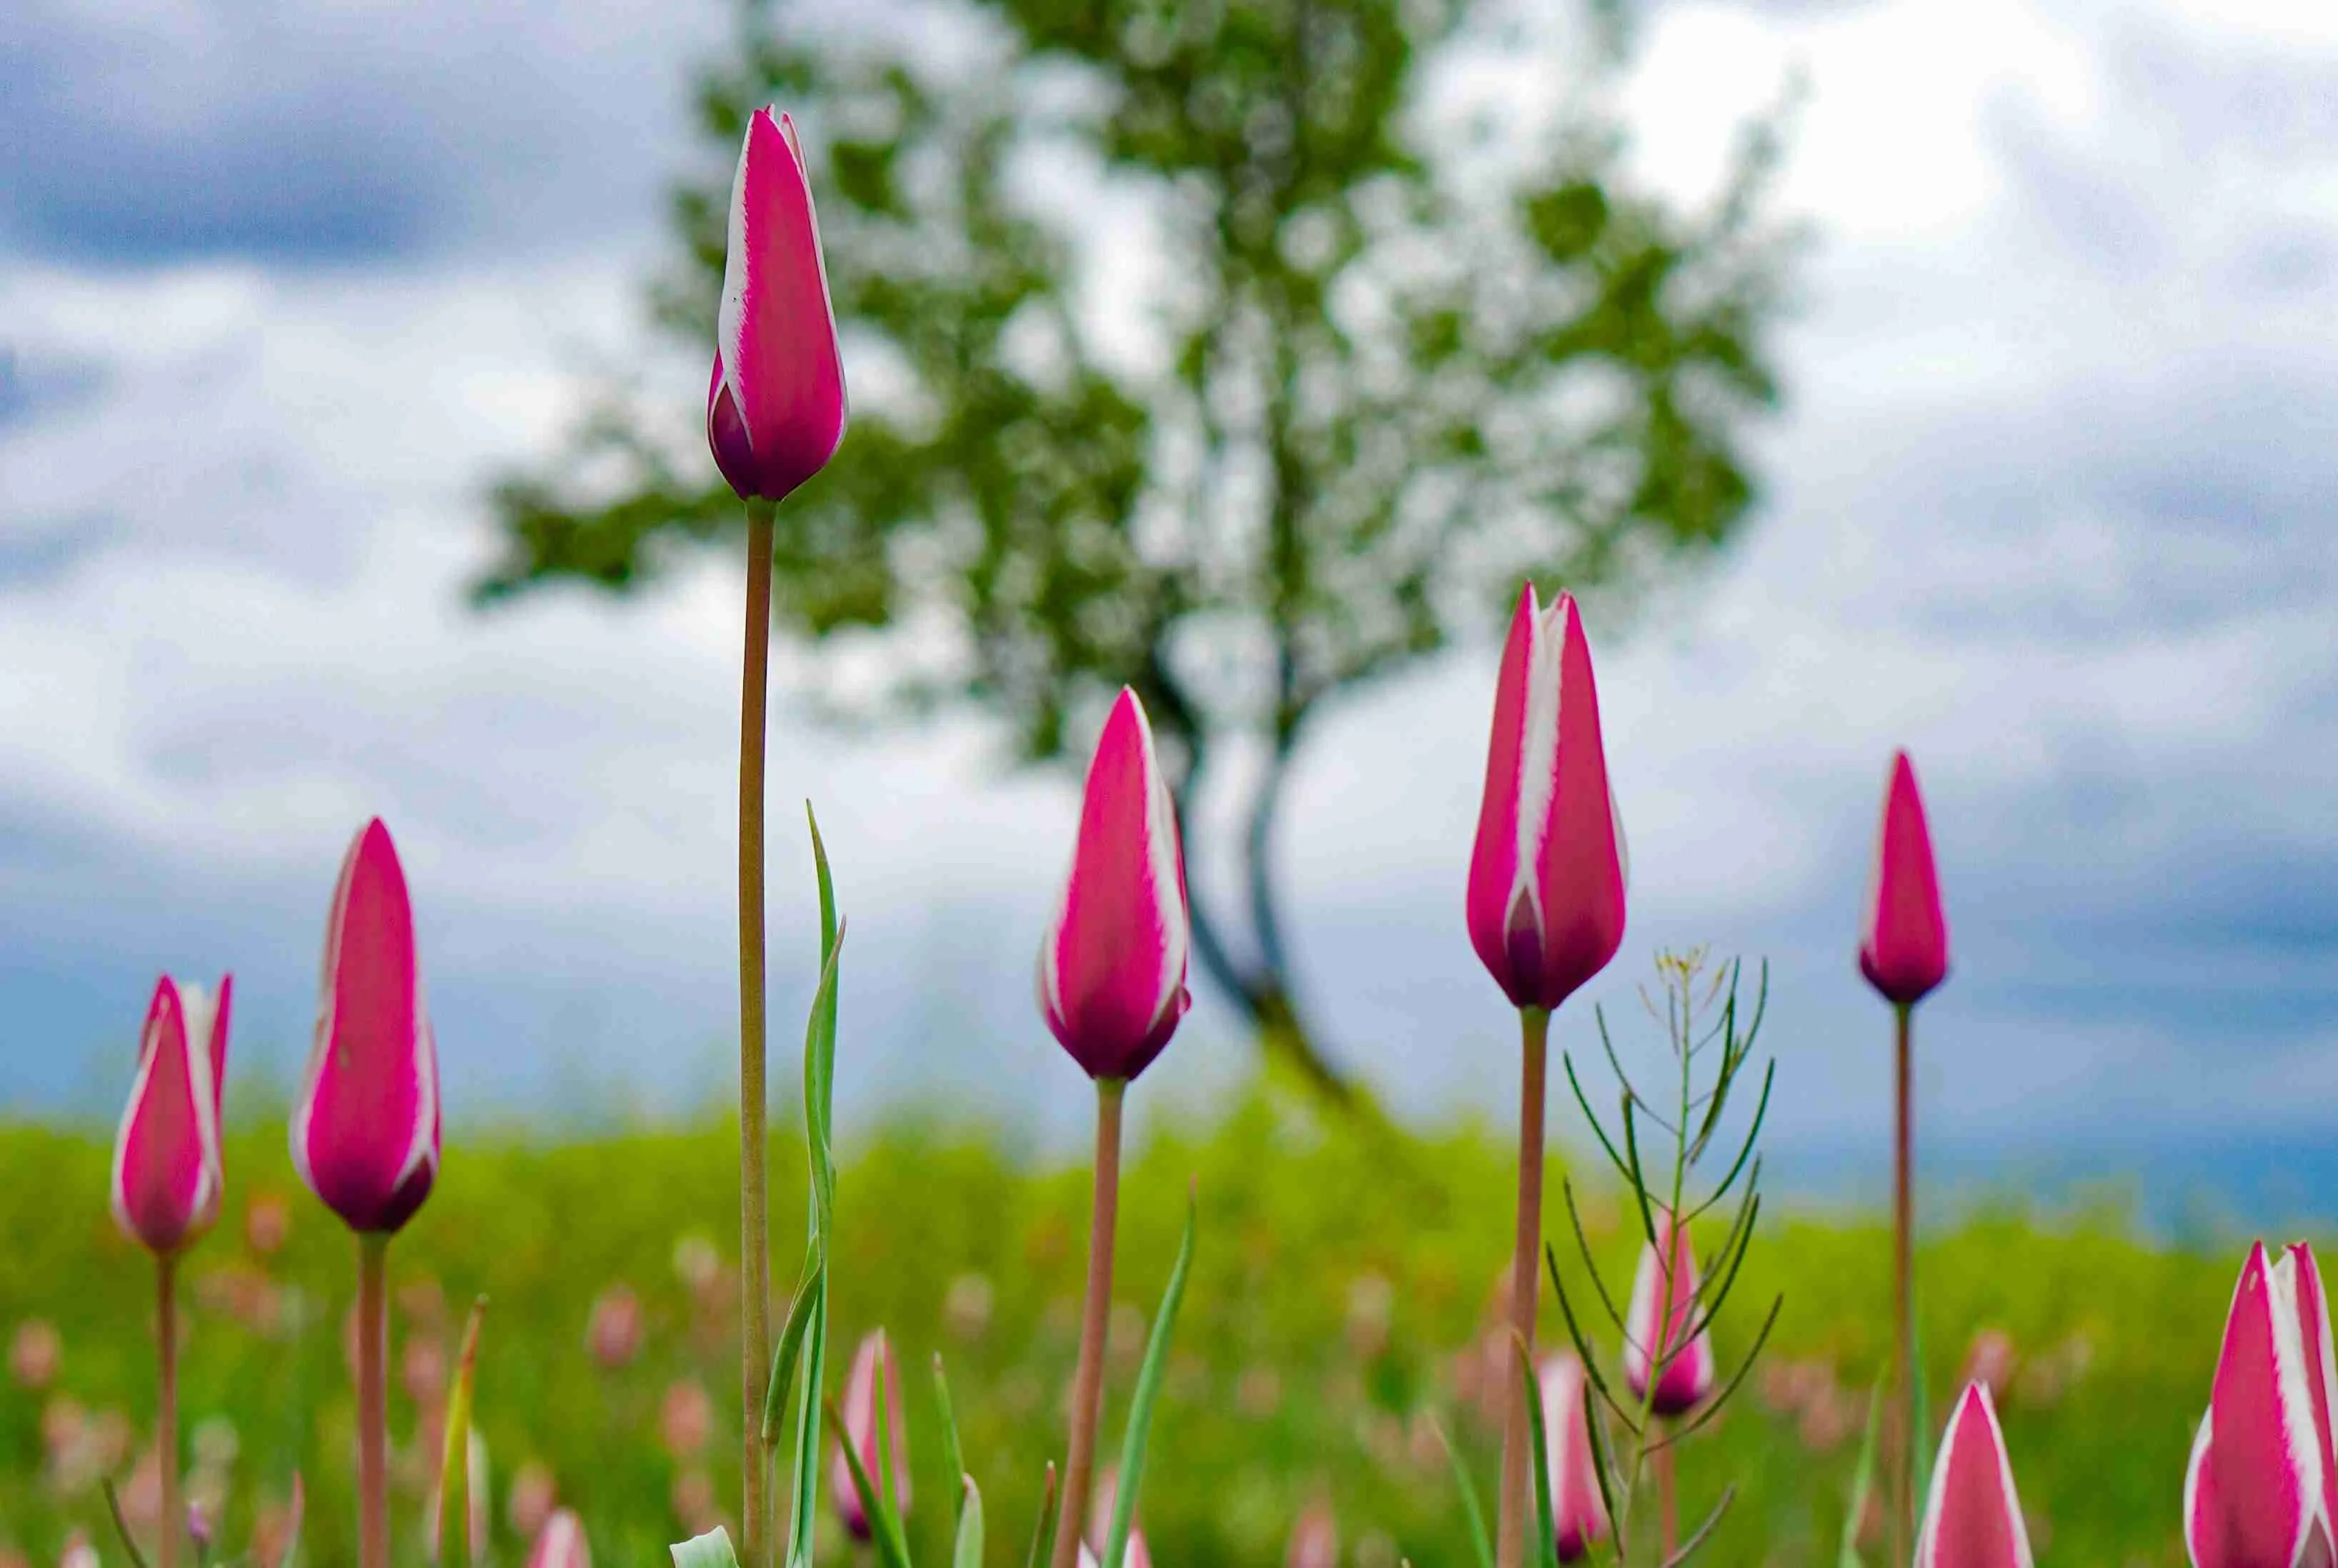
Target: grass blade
{"x":952,"y":1454}
{"x":1697,"y":1537}
{"x":1862,"y":1480}
{"x":1043,"y":1535}
{"x":121,"y":1524}
{"x":968,"y":1551}
{"x":1148,"y":1387}
{"x":455,"y":1468}
{"x":888,"y":1493}
{"x":1545,"y":1525}
{"x":791,"y":1349}
{"x":1471,"y":1509}
{"x":882,"y":1530}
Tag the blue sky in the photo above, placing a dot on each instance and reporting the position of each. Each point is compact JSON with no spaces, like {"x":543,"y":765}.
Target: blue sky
{"x":2050,"y":504}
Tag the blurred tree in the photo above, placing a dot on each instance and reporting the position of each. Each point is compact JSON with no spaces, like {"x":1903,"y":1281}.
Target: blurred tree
{"x":1217,"y":347}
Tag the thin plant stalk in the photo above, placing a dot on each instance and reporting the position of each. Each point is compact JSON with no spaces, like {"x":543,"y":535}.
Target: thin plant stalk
{"x":166,"y":1412}
{"x":373,"y":1400}
{"x":754,"y":1227}
{"x":1667,"y":1505}
{"x":1526,"y":1279}
{"x":1087,"y":1381}
{"x":1903,"y":1298}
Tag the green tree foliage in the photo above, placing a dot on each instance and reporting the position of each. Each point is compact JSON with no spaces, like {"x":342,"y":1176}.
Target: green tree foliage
{"x":1358,"y":360}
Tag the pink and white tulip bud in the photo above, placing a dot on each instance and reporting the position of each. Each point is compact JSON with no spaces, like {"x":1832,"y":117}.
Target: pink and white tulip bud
{"x":561,"y":1544}
{"x":1138,"y":1554}
{"x":1548,"y":879}
{"x":1904,"y":943}
{"x":1315,"y":1539}
{"x":860,"y":1412}
{"x":2258,"y":1494}
{"x":1578,"y":1511}
{"x":1112,"y":969}
{"x":1973,"y":1518}
{"x":365,"y":1131}
{"x":167,"y":1171}
{"x":775,"y":408}
{"x":1684,"y":1367}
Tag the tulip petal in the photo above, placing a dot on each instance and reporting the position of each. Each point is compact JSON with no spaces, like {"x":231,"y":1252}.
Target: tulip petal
{"x":1904,"y":946}
{"x":1973,"y":1518}
{"x":777,"y":367}
{"x":366,"y":1130}
{"x":1112,"y":968}
{"x":2253,"y":1497}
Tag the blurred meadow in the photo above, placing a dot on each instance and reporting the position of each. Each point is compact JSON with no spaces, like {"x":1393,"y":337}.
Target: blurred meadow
{"x":1344,"y":1295}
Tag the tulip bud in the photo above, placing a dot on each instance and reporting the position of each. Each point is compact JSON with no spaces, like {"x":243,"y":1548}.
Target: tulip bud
{"x":1138,"y":1554}
{"x":1112,"y":970}
{"x":1579,"y":1512}
{"x":1973,"y":1518}
{"x":1904,"y":946}
{"x":365,"y":1131}
{"x":1684,"y":1367}
{"x":167,"y":1171}
{"x":1548,"y":879}
{"x":860,"y":1412}
{"x":561,"y":1544}
{"x":2258,"y":1494}
{"x":1315,"y":1539}
{"x":775,"y":408}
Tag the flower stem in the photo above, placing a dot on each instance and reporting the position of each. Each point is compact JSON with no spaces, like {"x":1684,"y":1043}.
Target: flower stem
{"x":1667,"y":1506}
{"x":754,"y":1229}
{"x":1904,"y":1359}
{"x":1525,"y":1277}
{"x":166,"y":1413}
{"x":1088,"y":1382}
{"x":373,"y":1401}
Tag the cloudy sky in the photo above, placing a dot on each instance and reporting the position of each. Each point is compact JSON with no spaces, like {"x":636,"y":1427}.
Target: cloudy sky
{"x":282,"y":286}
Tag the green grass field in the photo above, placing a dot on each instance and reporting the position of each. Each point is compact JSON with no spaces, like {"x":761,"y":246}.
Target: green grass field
{"x":1340,"y":1300}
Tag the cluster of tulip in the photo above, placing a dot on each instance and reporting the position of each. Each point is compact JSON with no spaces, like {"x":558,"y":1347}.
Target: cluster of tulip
{"x":1546,"y":909}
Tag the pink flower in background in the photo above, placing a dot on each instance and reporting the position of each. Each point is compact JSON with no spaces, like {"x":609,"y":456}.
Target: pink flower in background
{"x":1100,"y":1525}
{"x":167,"y":1174}
{"x":775,"y":406}
{"x":2259,"y":1491}
{"x":365,"y":1131}
{"x":1548,"y":876}
{"x":685,"y":1418}
{"x":1315,"y":1539}
{"x":859,"y":1410}
{"x":1683,"y":1381}
{"x":267,"y":1223}
{"x":35,"y":1351}
{"x":614,"y":1331}
{"x":1973,"y":1517}
{"x":562,"y":1543}
{"x":1579,"y":1513}
{"x":1112,"y":969}
{"x":533,"y":1497}
{"x":1903,"y":941}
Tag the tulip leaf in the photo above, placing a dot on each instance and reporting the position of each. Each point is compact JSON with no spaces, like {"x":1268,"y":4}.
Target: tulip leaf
{"x":791,"y":1349}
{"x":818,"y":1079}
{"x":801,"y":1517}
{"x":1043,"y":1533}
{"x":712,"y":1550}
{"x":1148,"y":1389}
{"x":455,"y":1468}
{"x":1862,"y":1480}
{"x":968,"y":1551}
{"x":883,"y":1531}
{"x":1471,"y":1511}
{"x":953,"y":1456}
{"x":1546,"y":1527}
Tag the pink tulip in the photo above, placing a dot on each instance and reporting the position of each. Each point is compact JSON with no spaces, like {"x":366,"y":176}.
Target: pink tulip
{"x":167,"y":1173}
{"x":1315,"y":1539}
{"x":365,"y":1131}
{"x":1904,"y":946}
{"x":1973,"y":1518}
{"x":1138,"y":1554}
{"x":1579,"y":1513}
{"x":2258,"y":1494}
{"x":1548,"y":879}
{"x":1112,"y":970}
{"x":1684,"y":1367}
{"x":775,"y":408}
{"x":561,"y":1544}
{"x":860,"y":1412}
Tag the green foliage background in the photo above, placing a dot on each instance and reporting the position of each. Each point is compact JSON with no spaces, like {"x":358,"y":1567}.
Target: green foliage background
{"x":1288,"y":1382}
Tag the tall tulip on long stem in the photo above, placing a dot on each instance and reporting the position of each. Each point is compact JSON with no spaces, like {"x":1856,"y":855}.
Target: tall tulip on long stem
{"x":1546,"y":908}
{"x":1903,"y":951}
{"x":365,"y":1129}
{"x":775,"y":413}
{"x":167,"y":1179}
{"x":1112,"y":987}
